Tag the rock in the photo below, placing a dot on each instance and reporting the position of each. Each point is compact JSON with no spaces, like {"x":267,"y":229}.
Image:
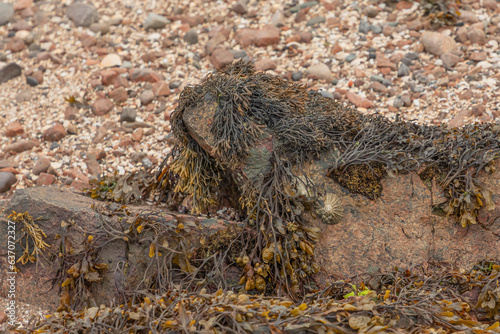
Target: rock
{"x":213,"y":42}
{"x":155,"y":21}
{"x":437,"y":43}
{"x":41,"y":166}
{"x":378,"y":87}
{"x":371,"y":11}
{"x":478,"y":56}
{"x":388,"y":30}
{"x":119,"y":95}
{"x":111,"y":60}
{"x":137,"y":134}
{"x":23,"y":96}
{"x":7,"y":179}
{"x":14,"y":129}
{"x":108,"y":76}
{"x":126,"y":141}
{"x":221,"y":58}
{"x":54,"y":133}
{"x":443,"y":82}
{"x":6,"y":13}
{"x":161,"y":88}
{"x":277,"y":19}
{"x":265,"y":64}
{"x":350,"y":57}
{"x":320,"y":71}
{"x":476,"y":36}
{"x":315,"y":21}
{"x":403,"y":70}
{"x":240,"y":7}
{"x":22,"y":4}
{"x":15,"y":44}
{"x":9,"y":71}
{"x":376,"y":29}
{"x":477,"y":110}
{"x":398,"y":102}
{"x":82,"y":15}
{"x":468,"y":16}
{"x":145,"y":75}
{"x":31,"y":81}
{"x":268,"y":35}
{"x":449,"y":60}
{"x":358,"y":101}
{"x":101,"y":134}
{"x":296,"y":76}
{"x":146,"y":97}
{"x":364,"y":27}
{"x":174,"y":84}
{"x":191,"y":37}
{"x":128,"y":115}
{"x":326,"y":94}
{"x":102,"y":107}
{"x":385,"y":62}
{"x":21,"y":146}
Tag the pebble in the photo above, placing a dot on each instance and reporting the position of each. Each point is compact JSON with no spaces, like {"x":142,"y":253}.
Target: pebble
{"x":403,"y":70}
{"x":146,"y":97}
{"x":476,"y":36}
{"x":191,"y":37}
{"x":23,"y":96}
{"x":377,"y":78}
{"x":174,"y":84}
{"x":306,"y":4}
{"x":54,"y":133}
{"x":315,"y":20}
{"x":102,"y":106}
{"x":45,"y":179}
{"x":364,"y":27}
{"x":376,"y":29}
{"x":406,"y":100}
{"x":6,"y":13}
{"x":31,"y":81}
{"x":147,"y":163}
{"x":296,"y":76}
{"x":41,"y":166}
{"x":324,"y":93}
{"x":14,"y":129}
{"x":82,"y":15}
{"x":449,"y":60}
{"x":265,"y":64}
{"x":119,"y":95}
{"x":350,"y":57}
{"x":9,"y":71}
{"x":7,"y":180}
{"x":240,"y":7}
{"x":437,"y":43}
{"x":277,"y":19}
{"x":111,"y":60}
{"x":100,"y":27}
{"x":320,"y":71}
{"x":155,"y":21}
{"x":20,"y":146}
{"x":221,"y":58}
{"x":398,"y":102}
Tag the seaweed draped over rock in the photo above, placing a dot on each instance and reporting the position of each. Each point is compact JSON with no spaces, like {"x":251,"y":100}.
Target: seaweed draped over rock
{"x":254,"y":132}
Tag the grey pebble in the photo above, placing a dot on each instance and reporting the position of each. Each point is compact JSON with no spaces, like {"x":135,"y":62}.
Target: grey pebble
{"x":191,"y":37}
{"x":403,"y":70}
{"x":376,"y":29}
{"x":315,"y":20}
{"x":398,"y":102}
{"x":326,"y":94}
{"x":9,"y":71}
{"x":377,"y":78}
{"x":174,"y":84}
{"x":350,"y":57}
{"x":147,"y":163}
{"x":155,"y":21}
{"x":128,"y":115}
{"x":31,"y":81}
{"x":364,"y":27}
{"x":296,"y":76}
{"x":82,"y":15}
{"x":306,"y":4}
{"x":387,"y":83}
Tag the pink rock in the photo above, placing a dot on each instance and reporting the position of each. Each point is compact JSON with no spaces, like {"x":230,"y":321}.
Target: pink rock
{"x":385,"y":62}
{"x":21,"y":146}
{"x":437,"y":43}
{"x":265,"y":64}
{"x":80,"y":185}
{"x":14,"y":129}
{"x":137,"y":134}
{"x":15,"y":44}
{"x":216,"y":40}
{"x":144,"y":75}
{"x":478,"y":56}
{"x":477,"y":110}
{"x":102,"y":107}
{"x":358,"y":101}
{"x":476,"y":36}
{"x":221,"y":58}
{"x":449,"y":59}
{"x":45,"y":179}
{"x":126,"y":141}
{"x":55,"y":133}
{"x":161,"y":88}
{"x":108,"y":75}
{"x":41,"y":166}
{"x":23,"y":4}
{"x":119,"y":95}
{"x":268,"y":35}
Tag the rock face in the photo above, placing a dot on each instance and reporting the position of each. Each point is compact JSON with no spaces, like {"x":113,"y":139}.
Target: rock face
{"x":397,"y":229}
{"x":58,"y":206}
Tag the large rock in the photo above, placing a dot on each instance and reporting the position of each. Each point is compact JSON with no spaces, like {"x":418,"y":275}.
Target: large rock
{"x":63,"y":216}
{"x":396,"y":229}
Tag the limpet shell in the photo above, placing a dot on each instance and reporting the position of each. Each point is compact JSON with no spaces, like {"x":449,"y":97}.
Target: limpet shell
{"x":332,"y":211}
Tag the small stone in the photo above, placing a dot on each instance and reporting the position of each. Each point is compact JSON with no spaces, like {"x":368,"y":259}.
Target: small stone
{"x":442,"y":82}
{"x":371,"y":11}
{"x":54,"y":133}
{"x":377,"y":78}
{"x":437,"y":43}
{"x":146,"y":97}
{"x":358,"y":101}
{"x":15,"y":44}
{"x":174,"y":84}
{"x":378,"y":87}
{"x":9,"y":72}
{"x":296,"y":76}
{"x":364,"y":27}
{"x":100,"y":27}
{"x":265,"y":64}
{"x":144,"y":75}
{"x":478,"y":56}
{"x":24,"y":96}
{"x":31,"y":81}
{"x":155,"y":21}
{"x":128,"y":115}
{"x":119,"y":95}
{"x":385,"y":62}
{"x":82,"y":15}
{"x":406,"y":100}
{"x":147,"y":163}
{"x":137,"y":134}
{"x":403,"y":70}
{"x":7,"y":180}
{"x":41,"y":166}
{"x":108,"y":75}
{"x":388,"y":30}
{"x":398,"y":102}
{"x":126,"y":141}
{"x":22,"y":4}
{"x":102,"y":107}
{"x":191,"y":37}
{"x":45,"y":179}
{"x":161,"y":88}
{"x":320,"y":71}
{"x":449,"y":60}
{"x":305,"y":36}
{"x":315,"y":20}
{"x":376,"y":29}
{"x":72,"y":129}
{"x":14,"y":129}
{"x":268,"y":35}
{"x":476,"y":36}
{"x":477,"y":110}
{"x":221,"y":58}
{"x":277,"y":19}
{"x":240,"y":8}
{"x":350,"y":57}
{"x":468,"y":16}
{"x":21,"y":146}
{"x":6,"y":13}
{"x":326,"y":94}
{"x":111,"y":60}
{"x":100,"y":135}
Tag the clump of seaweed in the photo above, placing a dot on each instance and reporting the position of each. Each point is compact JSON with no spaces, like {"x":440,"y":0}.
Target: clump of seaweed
{"x":264,"y":129}
{"x":32,"y":237}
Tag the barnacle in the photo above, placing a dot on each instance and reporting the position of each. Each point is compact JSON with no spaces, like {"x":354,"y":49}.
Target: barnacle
{"x":332,"y":211}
